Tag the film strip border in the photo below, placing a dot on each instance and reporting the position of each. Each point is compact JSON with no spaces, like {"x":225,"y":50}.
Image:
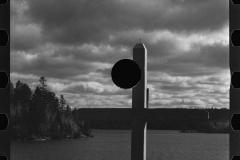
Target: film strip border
{"x":4,"y":76}
{"x":234,"y":34}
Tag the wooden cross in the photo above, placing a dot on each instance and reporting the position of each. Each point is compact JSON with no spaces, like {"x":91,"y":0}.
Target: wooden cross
{"x":136,"y":114}
{"x":139,"y":114}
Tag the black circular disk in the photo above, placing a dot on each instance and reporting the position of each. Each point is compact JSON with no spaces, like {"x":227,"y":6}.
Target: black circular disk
{"x":126,"y":73}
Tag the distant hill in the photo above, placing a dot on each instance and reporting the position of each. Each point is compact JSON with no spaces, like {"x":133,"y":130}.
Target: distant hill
{"x":186,"y":120}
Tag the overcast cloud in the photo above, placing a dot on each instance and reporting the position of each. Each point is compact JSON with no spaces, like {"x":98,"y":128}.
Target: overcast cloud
{"x":74,"y":44}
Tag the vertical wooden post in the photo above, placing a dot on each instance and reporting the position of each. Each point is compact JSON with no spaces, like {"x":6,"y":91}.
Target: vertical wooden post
{"x":139,"y":103}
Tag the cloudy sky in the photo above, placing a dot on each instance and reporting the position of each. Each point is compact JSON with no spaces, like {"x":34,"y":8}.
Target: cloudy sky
{"x":74,"y":44}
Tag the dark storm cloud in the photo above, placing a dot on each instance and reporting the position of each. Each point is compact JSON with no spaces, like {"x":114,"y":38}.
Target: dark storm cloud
{"x":182,"y":69}
{"x":106,"y":72}
{"x":92,"y":53}
{"x":48,"y":66}
{"x":175,"y":88}
{"x":215,"y":56}
{"x":205,"y":61}
{"x":91,"y":22}
{"x":75,"y":44}
{"x":211,"y":56}
{"x":96,"y":89}
{"x":25,"y":37}
{"x":94,"y":21}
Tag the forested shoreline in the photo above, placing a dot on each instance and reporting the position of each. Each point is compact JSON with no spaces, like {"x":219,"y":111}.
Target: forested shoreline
{"x":40,"y":114}
{"x":208,"y":120}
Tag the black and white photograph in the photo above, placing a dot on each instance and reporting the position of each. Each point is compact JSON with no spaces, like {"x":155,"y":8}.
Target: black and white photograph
{"x":119,"y":80}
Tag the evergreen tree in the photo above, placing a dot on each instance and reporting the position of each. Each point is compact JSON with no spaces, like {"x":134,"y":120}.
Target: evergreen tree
{"x":43,"y":81}
{"x":11,"y":91}
{"x":68,"y":112}
{"x":36,"y":111}
{"x":62,"y":103}
{"x":44,"y":108}
{"x":20,"y":97}
{"x":22,"y":93}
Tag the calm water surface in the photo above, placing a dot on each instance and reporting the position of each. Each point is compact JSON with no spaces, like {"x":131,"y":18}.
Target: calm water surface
{"x":115,"y":145}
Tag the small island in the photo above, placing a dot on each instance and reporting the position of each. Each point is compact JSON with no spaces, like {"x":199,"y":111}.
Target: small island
{"x":41,"y":115}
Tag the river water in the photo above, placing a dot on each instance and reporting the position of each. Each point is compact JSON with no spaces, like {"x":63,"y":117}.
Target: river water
{"x":116,"y":145}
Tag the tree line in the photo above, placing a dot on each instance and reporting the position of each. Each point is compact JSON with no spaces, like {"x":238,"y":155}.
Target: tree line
{"x":40,"y":114}
{"x":208,"y":120}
